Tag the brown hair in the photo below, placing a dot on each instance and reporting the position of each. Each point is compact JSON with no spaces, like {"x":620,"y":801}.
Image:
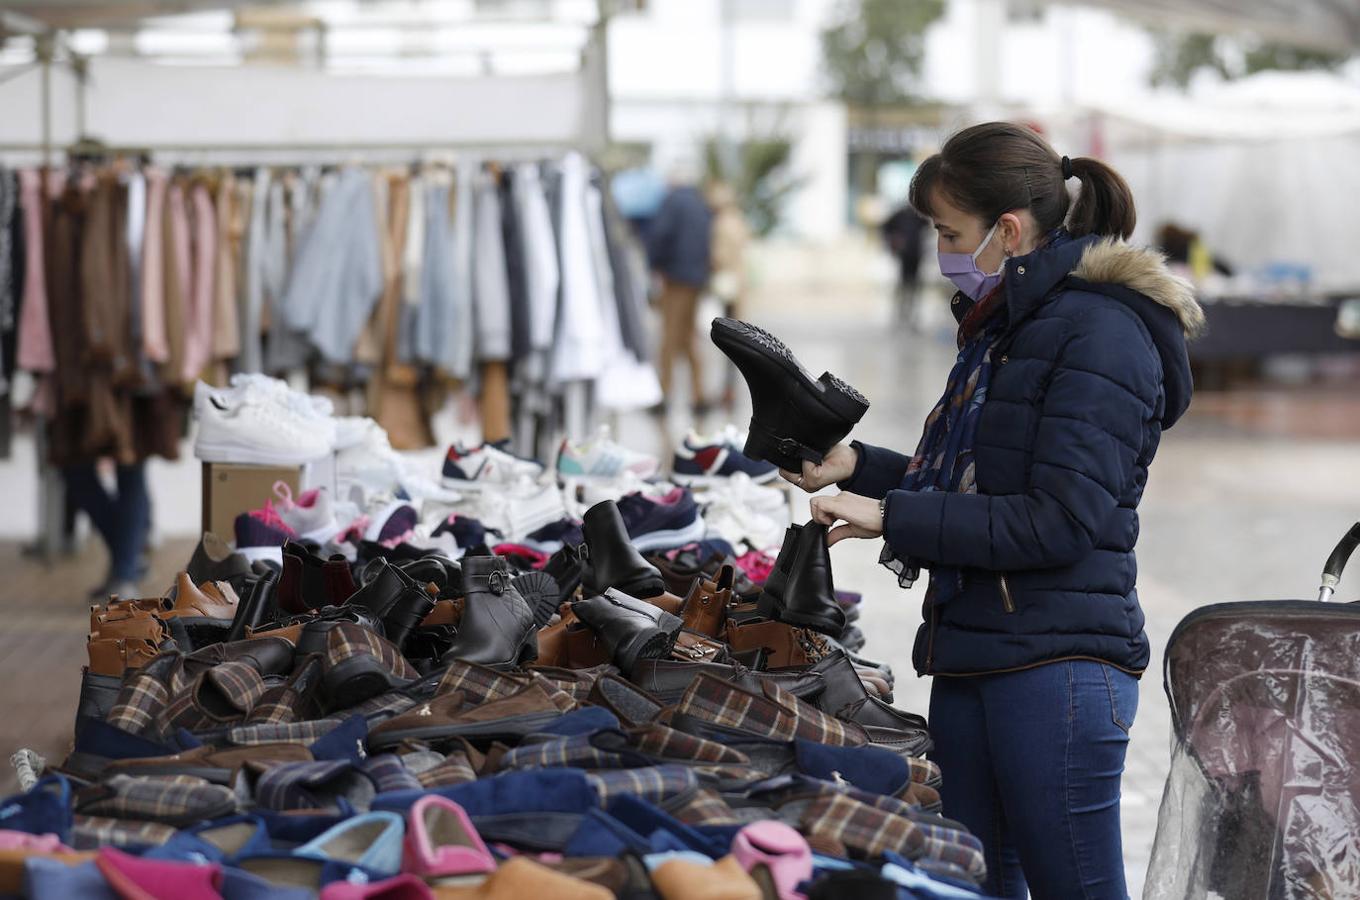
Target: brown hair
{"x":998,"y":167}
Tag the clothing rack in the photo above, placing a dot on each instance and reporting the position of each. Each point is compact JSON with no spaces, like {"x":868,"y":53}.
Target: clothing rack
{"x":305,"y":153}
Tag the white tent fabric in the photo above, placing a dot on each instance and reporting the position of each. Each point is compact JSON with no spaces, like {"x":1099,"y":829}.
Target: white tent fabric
{"x":1265,"y":169}
{"x":1324,"y":24}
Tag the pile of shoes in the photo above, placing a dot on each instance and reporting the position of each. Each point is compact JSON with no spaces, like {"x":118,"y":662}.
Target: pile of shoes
{"x":617,"y":705}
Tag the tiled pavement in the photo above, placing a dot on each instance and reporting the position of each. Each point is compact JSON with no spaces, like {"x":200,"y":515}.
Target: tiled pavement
{"x":1246,"y":499}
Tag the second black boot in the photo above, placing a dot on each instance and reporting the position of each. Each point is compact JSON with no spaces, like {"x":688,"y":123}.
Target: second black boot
{"x":804,"y":594}
{"x":256,"y":608}
{"x":497,"y":627}
{"x":396,"y":599}
{"x":611,"y":560}
{"x":631,"y":629}
{"x":794,"y":417}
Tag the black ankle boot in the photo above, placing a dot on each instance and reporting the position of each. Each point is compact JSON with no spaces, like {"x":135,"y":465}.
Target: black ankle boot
{"x":611,"y":560}
{"x":497,"y":628}
{"x":257,"y":607}
{"x":631,"y":629}
{"x":794,"y":417}
{"x":804,"y":594}
{"x":394,"y":598}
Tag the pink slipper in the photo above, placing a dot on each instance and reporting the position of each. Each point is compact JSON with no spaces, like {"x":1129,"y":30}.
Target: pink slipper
{"x":440,"y":840}
{"x":134,"y":878}
{"x":33,"y":843}
{"x":780,"y":850}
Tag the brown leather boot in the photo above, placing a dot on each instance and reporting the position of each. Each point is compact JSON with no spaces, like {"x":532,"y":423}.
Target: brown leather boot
{"x":213,"y":600}
{"x":705,"y":610}
{"x":787,"y":645}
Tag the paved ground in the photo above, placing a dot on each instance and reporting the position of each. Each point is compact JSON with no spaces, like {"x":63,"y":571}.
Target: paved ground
{"x":1245,"y":501}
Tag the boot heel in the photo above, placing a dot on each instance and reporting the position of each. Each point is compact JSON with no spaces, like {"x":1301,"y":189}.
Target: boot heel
{"x":842,"y":398}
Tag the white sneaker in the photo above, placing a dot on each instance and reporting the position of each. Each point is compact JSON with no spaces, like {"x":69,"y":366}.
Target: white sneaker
{"x":311,"y":515}
{"x":530,"y":506}
{"x":516,"y":510}
{"x":476,"y":468}
{"x":601,"y":457}
{"x":236,"y":427}
{"x":730,"y":514}
{"x":318,"y":411}
{"x":276,"y":389}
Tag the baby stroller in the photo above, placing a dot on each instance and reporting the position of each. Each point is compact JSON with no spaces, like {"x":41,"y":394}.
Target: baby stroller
{"x":1263,"y":798}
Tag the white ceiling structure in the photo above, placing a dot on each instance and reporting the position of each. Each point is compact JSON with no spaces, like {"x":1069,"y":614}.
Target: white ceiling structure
{"x":1331,"y":25}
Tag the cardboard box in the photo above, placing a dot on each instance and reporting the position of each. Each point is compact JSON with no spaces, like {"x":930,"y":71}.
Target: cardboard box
{"x":230,"y":489}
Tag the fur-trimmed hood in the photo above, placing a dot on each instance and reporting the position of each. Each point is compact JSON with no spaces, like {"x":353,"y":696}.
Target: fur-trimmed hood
{"x":1138,"y":277}
{"x":1144,"y":270}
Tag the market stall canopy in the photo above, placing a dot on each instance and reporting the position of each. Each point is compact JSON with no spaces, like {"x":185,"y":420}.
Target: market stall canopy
{"x":1332,"y":25}
{"x":1263,"y":168}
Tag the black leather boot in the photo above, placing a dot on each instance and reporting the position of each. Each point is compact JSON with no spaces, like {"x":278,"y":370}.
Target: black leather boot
{"x":567,"y":569}
{"x":497,"y":628}
{"x":611,"y":560}
{"x":257,"y":607}
{"x":395,"y":598}
{"x":783,"y":562}
{"x":794,"y":417}
{"x":805,"y":594}
{"x":631,"y":629}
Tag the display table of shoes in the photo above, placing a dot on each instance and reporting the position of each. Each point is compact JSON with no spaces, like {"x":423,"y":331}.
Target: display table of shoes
{"x":425,"y":689}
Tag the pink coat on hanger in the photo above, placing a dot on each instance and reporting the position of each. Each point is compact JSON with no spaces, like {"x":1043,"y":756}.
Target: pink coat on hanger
{"x":34,"y":352}
{"x":154,"y":346}
{"x":199,"y":319}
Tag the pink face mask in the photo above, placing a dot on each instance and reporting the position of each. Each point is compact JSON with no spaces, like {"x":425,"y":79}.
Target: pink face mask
{"x":962,"y":269}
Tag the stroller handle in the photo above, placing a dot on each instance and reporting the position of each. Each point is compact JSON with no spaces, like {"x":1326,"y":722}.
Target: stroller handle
{"x":1336,"y":563}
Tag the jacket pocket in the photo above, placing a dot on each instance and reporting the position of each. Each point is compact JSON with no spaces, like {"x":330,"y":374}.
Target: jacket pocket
{"x":1007,"y":601}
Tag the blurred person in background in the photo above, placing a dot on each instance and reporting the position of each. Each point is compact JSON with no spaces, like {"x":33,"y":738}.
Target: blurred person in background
{"x":1022,"y":497}
{"x":679,"y":250}
{"x":731,"y":235}
{"x":1183,"y":247}
{"x":902,"y":233}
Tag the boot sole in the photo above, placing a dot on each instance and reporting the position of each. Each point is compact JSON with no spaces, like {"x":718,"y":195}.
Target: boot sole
{"x":665,"y":540}
{"x":652,"y":644}
{"x":833,"y":393}
{"x":541,"y":591}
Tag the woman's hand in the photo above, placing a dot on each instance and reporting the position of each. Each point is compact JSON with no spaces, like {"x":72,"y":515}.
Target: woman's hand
{"x":838,"y":465}
{"x":860,"y":515}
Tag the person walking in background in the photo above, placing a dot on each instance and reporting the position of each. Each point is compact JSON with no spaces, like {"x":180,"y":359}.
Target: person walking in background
{"x":731,"y":234}
{"x":902,"y":233}
{"x":679,"y":252}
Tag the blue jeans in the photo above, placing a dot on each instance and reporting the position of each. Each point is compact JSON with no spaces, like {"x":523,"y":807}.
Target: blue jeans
{"x":1032,"y":762}
{"x":122,"y":520}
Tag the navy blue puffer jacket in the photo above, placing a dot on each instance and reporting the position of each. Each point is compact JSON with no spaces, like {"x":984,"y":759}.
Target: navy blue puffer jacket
{"x":1090,"y":371}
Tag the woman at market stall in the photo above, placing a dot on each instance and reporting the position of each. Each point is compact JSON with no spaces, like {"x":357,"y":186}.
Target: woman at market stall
{"x":1021,"y":499}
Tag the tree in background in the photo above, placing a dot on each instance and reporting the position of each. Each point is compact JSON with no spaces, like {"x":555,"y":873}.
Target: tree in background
{"x":1181,"y":56}
{"x":759,"y":173}
{"x":873,"y":50}
{"x":872,"y":53}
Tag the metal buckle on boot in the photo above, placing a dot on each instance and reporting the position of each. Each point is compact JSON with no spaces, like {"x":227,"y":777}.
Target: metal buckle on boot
{"x":790,"y":447}
{"x":497,"y":582}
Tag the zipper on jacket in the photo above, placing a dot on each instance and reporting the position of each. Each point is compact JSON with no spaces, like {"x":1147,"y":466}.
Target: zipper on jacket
{"x":1006,"y":600}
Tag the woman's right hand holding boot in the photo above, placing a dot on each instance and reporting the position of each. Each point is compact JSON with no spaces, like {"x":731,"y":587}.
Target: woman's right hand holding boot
{"x":838,"y":465}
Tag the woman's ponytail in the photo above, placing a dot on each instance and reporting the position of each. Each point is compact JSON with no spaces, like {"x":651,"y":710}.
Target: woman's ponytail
{"x":1104,"y":205}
